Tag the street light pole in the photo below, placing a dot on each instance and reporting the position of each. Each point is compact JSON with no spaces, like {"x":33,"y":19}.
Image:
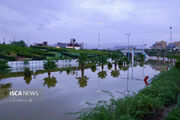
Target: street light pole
{"x":170,"y":34}
{"x":99,"y":34}
{"x":128,"y":35}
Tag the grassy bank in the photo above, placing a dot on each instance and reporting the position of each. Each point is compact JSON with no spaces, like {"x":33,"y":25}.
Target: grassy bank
{"x":13,"y":53}
{"x":175,"y":113}
{"x":148,"y":104}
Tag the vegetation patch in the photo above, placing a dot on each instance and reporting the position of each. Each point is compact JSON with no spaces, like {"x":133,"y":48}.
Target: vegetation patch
{"x":148,"y":104}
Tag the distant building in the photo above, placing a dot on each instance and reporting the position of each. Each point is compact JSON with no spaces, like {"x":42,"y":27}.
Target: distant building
{"x":159,"y":45}
{"x":171,"y":46}
{"x":44,"y":44}
{"x":61,"y":45}
{"x":123,"y":47}
{"x":177,"y":44}
{"x":135,"y":47}
{"x":74,"y":44}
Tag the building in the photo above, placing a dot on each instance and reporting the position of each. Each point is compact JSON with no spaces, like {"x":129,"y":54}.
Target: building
{"x":177,"y":44}
{"x":60,"y":45}
{"x":44,"y":44}
{"x":159,"y":45}
{"x":171,"y":46}
{"x":74,"y":44}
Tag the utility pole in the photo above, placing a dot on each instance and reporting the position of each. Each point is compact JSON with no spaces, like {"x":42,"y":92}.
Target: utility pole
{"x":99,"y":34}
{"x":128,"y":35}
{"x":170,"y":30}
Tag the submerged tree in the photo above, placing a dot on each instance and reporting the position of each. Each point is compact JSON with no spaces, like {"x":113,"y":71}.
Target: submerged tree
{"x":82,"y":59}
{"x":115,"y":57}
{"x":49,"y":65}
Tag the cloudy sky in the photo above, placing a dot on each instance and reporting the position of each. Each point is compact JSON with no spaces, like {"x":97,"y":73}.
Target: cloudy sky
{"x":54,"y":21}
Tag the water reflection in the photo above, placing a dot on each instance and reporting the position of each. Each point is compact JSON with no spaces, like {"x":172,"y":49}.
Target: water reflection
{"x":82,"y":81}
{"x":115,"y":72}
{"x":4,"y":90}
{"x":50,"y":81}
{"x":27,"y":80}
{"x":159,"y":65}
{"x":102,"y":74}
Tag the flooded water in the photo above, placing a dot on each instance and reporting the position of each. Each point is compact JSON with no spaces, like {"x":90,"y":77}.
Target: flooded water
{"x":61,"y":92}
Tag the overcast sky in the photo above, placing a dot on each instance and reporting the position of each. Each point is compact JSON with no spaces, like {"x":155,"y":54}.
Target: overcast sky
{"x":54,"y":21}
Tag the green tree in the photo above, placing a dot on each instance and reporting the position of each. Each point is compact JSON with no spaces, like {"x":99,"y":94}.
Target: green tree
{"x":115,"y":57}
{"x":82,"y":59}
{"x":19,"y":43}
{"x":4,"y":67}
{"x":49,"y":65}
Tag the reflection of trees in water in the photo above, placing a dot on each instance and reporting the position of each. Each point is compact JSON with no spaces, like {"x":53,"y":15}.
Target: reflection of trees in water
{"x":50,"y":81}
{"x":158,"y":65}
{"x":28,"y":80}
{"x":93,"y":68}
{"x":102,"y":74}
{"x":115,"y":72}
{"x":125,"y":68}
{"x":27,"y":75}
{"x":4,"y":90}
{"x":82,"y":81}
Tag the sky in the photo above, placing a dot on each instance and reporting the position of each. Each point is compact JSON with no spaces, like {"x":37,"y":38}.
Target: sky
{"x":54,"y":21}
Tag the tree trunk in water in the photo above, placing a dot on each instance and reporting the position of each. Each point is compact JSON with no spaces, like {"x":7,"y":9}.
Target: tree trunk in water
{"x":49,"y":74}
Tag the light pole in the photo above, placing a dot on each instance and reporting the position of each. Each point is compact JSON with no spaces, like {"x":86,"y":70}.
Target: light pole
{"x":170,"y":28}
{"x":99,"y":33}
{"x":128,"y":35}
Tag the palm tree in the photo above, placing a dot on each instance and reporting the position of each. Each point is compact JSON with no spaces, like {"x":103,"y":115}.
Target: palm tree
{"x":82,"y":59}
{"x":115,"y":57}
{"x":82,"y":81}
{"x":50,"y":81}
{"x":49,"y":66}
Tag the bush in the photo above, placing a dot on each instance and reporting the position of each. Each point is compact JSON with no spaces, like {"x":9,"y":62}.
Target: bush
{"x":146,"y":105}
{"x":177,"y":65}
{"x":174,"y":114}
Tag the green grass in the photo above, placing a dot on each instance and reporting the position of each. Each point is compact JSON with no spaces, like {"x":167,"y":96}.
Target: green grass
{"x":12,"y":52}
{"x":175,"y":113}
{"x":146,"y":105}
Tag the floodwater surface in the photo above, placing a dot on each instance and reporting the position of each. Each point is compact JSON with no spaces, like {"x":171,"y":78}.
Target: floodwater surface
{"x":68,"y":91}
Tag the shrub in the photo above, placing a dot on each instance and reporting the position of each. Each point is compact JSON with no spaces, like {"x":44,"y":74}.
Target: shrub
{"x":177,"y":65}
{"x":174,"y":114}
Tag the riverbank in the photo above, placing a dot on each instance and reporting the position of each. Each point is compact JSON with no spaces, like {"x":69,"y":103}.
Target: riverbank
{"x":148,"y":104}
{"x":16,"y":53}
